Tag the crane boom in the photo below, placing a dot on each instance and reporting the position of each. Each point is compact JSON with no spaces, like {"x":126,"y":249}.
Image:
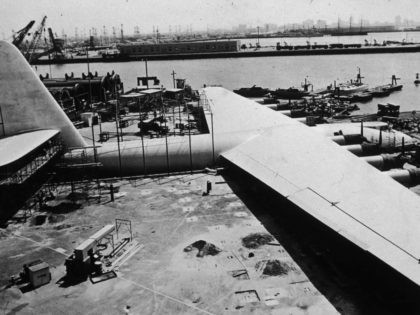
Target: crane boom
{"x":35,"y":38}
{"x":20,"y":35}
{"x":55,"y":49}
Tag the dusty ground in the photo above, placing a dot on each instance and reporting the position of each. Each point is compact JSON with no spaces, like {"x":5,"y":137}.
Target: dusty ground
{"x":239,"y":268}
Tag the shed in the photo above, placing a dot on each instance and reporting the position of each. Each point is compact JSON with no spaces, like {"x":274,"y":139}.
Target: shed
{"x":174,"y":93}
{"x":39,"y":274}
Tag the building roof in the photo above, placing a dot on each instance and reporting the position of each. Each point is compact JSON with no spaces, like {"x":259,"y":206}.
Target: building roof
{"x":150,"y":91}
{"x":38,"y":267}
{"x":16,"y":147}
{"x":131,"y":95}
{"x":174,"y":90}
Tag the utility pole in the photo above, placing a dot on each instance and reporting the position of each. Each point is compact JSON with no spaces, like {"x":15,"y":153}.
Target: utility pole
{"x":166,"y":128}
{"x":142,"y":140}
{"x":49,"y":64}
{"x":189,"y":139}
{"x":117,"y":115}
{"x":88,"y":70}
{"x":173,"y":77}
{"x":212,"y":137}
{"x":258,"y":35}
{"x":147,"y":74}
{"x":90,"y":104}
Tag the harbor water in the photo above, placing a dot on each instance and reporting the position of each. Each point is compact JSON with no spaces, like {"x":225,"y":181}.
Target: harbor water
{"x":274,"y":72}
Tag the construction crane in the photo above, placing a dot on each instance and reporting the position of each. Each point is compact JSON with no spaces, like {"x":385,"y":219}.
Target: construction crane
{"x":35,"y":38}
{"x":57,"y":44}
{"x":56,"y":48}
{"x":19,"y":36}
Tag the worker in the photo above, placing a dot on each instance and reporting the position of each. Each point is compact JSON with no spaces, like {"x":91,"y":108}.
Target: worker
{"x":208,"y":187}
{"x":111,"y":191}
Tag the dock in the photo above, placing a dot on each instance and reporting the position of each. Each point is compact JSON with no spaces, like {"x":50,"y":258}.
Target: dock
{"x":263,"y":52}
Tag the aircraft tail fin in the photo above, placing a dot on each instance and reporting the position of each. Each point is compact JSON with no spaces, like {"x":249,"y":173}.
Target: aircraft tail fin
{"x":26,"y":104}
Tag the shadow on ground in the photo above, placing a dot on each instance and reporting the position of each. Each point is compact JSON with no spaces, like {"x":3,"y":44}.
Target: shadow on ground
{"x":352,"y":280}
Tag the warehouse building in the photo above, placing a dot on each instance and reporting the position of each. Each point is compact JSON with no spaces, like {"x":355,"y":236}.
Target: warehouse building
{"x":179,"y":48}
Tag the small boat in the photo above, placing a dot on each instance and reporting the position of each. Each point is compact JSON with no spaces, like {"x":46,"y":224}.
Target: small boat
{"x":254,"y":91}
{"x":361,"y":97}
{"x":344,"y":98}
{"x":417,"y":80}
{"x":394,"y":87}
{"x":388,"y":110}
{"x":269,"y":100}
{"x":290,"y":93}
{"x":380,"y":91}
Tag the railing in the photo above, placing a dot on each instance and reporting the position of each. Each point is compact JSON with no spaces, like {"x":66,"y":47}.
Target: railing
{"x":204,"y":102}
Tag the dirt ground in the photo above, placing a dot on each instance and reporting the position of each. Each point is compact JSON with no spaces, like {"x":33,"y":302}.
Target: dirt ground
{"x":200,"y":254}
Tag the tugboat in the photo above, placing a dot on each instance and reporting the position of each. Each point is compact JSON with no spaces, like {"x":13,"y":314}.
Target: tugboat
{"x":394,"y":86}
{"x":254,"y":91}
{"x":292,"y":93}
{"x":417,"y":80}
{"x":386,"y":89}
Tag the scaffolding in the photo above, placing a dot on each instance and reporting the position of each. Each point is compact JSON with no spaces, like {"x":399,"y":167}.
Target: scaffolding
{"x":123,"y":223}
{"x":38,"y":200}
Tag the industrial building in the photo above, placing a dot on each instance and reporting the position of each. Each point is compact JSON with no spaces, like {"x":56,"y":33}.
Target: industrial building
{"x":179,"y":48}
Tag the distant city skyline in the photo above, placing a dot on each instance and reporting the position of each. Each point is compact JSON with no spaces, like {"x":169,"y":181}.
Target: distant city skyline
{"x":178,"y":16}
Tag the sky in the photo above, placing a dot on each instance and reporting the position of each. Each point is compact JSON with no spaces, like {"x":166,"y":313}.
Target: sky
{"x":84,"y":14}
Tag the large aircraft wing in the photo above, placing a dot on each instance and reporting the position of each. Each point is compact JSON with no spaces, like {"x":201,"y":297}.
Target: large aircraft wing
{"x":340,"y":190}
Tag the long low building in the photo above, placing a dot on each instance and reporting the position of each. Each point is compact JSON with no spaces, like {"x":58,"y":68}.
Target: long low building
{"x":179,"y":48}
